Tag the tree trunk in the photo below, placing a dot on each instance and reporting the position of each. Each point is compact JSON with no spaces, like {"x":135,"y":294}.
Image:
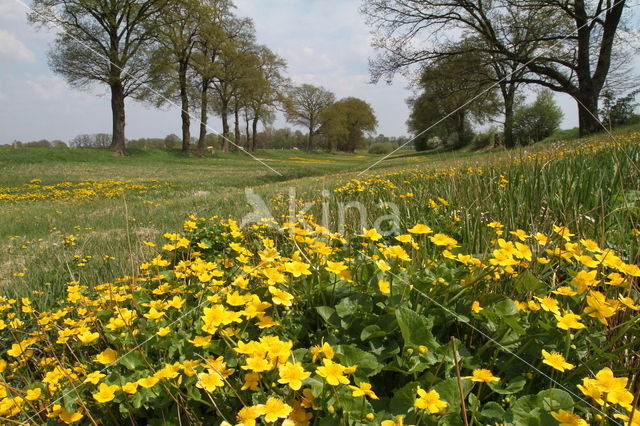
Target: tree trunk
{"x":224,"y":112}
{"x":508,"y":95}
{"x":246,"y":122}
{"x":203,"y":117}
{"x":236,"y":127}
{"x":118,"y":145}
{"x":184,"y":99}
{"x":254,"y":136}
{"x":310,"y":139}
{"x":587,"y":113}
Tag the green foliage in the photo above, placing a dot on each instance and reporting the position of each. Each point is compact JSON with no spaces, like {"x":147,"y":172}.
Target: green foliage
{"x":534,"y":122}
{"x":618,"y":111}
{"x":382,"y":148}
{"x":345,"y":121}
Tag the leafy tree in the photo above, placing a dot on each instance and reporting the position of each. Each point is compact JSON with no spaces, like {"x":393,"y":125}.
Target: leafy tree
{"x":567,"y":45}
{"x":104,"y":42}
{"x":305,"y":106}
{"x":442,"y":108}
{"x":537,"y":121}
{"x":618,"y":111}
{"x":345,"y":121}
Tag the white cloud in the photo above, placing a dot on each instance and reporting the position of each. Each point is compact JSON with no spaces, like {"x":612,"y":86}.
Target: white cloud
{"x":12,"y":47}
{"x":2,"y":96}
{"x":48,"y":88}
{"x":11,"y":9}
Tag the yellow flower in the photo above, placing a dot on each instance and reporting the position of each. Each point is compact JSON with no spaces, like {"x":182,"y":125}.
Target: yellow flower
{"x":281,"y":297}
{"x":148,"y":382}
{"x":382,"y":265}
{"x":200,"y":341}
{"x":107,"y":356}
{"x":482,"y":375}
{"x":363,"y":389}
{"x":247,"y":415}
{"x":371,"y":234}
{"x":297,"y":268}
{"x":475,"y":307}
{"x":163,"y":331}
{"x":420,"y":229}
{"x":105,"y":393}
{"x":94,"y":377}
{"x":33,"y":394}
{"x":293,"y":375}
{"x":444,"y":240}
{"x":176,"y":302}
{"x":430,"y":401}
{"x":154,"y":314}
{"x":274,"y":409}
{"x":569,"y":321}
{"x":332,"y":372}
{"x":556,"y":361}
{"x":549,"y":304}
{"x":384,"y":286}
{"x":335,"y":267}
{"x":567,"y":418}
{"x":130,"y":387}
{"x":88,"y":337}
{"x":210,"y":381}
{"x":325,"y":350}
{"x":564,"y":291}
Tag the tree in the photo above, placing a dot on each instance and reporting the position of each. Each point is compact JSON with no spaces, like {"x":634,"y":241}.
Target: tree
{"x":618,"y":111}
{"x":102,"y":42}
{"x":537,"y":121}
{"x":345,"y":121}
{"x":567,"y":45}
{"x":304,"y":107}
{"x":442,"y":108}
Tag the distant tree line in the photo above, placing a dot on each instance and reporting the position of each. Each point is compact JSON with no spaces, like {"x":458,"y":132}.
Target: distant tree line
{"x":199,"y":56}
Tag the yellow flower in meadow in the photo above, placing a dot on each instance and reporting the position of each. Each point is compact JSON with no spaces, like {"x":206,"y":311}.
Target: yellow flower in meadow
{"x":444,"y":240}
{"x":176,"y":302}
{"x":163,"y":331}
{"x":567,"y":418}
{"x":251,"y":381}
{"x":297,"y":268}
{"x":475,"y":307}
{"x":105,"y":393}
{"x":33,"y":394}
{"x":569,"y":321}
{"x":607,"y":382}
{"x":154,"y":314}
{"x":149,"y":243}
{"x":420,"y":229}
{"x":564,"y":291}
{"x":274,"y":409}
{"x":430,"y":401}
{"x":67,"y":417}
{"x":200,"y":341}
{"x":293,"y":375}
{"x":94,"y":377}
{"x":384,"y":286}
{"x":332,"y":372}
{"x":130,"y":387}
{"x":549,"y":304}
{"x":363,"y":389}
{"x":210,"y":381}
{"x":325,"y":350}
{"x":148,"y":382}
{"x":371,"y":234}
{"x":247,"y":415}
{"x":520,"y":234}
{"x":564,"y":232}
{"x":107,"y":356}
{"x":382,"y":265}
{"x":335,"y":267}
{"x":280,"y":297}
{"x":399,"y":421}
{"x":556,"y":360}
{"x":88,"y":337}
{"x":482,"y":375}
{"x":599,"y":307}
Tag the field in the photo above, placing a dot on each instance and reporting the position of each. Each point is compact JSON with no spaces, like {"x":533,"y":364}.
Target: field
{"x":438,"y":288}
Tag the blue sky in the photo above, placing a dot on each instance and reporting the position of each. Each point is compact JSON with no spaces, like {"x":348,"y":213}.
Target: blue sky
{"x":325,"y":42}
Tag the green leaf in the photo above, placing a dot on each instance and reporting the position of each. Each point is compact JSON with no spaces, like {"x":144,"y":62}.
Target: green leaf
{"x":415,"y":329}
{"x":366,"y":362}
{"x":132,"y":360}
{"x":527,"y":282}
{"x":448,"y":390}
{"x":346,"y":307}
{"x":509,"y":388}
{"x":329,"y":315}
{"x":403,"y":399}
{"x":492,"y":411}
{"x":555,"y":399}
{"x":371,"y":332}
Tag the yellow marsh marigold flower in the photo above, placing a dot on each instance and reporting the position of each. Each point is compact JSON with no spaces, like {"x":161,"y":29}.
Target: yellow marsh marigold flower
{"x":382,"y":265}
{"x":251,"y":381}
{"x":274,"y":409}
{"x":335,"y":267}
{"x":475,"y":307}
{"x":482,"y":375}
{"x":326,"y":350}
{"x":569,"y":321}
{"x":567,"y":418}
{"x":549,"y":304}
{"x":67,"y":417}
{"x":430,"y":401}
{"x":363,"y":389}
{"x":33,"y":394}
{"x":105,"y":393}
{"x":444,"y":240}
{"x":420,"y":228}
{"x":107,"y":356}
{"x":148,"y":382}
{"x":371,"y":234}
{"x":210,"y":381}
{"x":88,"y":337}
{"x":384,"y":286}
{"x":200,"y":341}
{"x":333,"y":373}
{"x":564,"y":291}
{"x":163,"y":331}
{"x":297,"y":268}
{"x":94,"y":377}
{"x":556,"y":360}
{"x":280,"y":297}
{"x":293,"y":375}
{"x":130,"y":387}
{"x":247,"y":415}
{"x":564,"y":232}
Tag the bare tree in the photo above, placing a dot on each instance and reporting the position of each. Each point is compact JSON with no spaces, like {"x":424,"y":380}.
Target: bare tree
{"x":305,"y":106}
{"x":102,"y":42}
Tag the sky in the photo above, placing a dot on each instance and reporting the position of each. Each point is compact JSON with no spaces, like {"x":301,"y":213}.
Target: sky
{"x":324,"y":42}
